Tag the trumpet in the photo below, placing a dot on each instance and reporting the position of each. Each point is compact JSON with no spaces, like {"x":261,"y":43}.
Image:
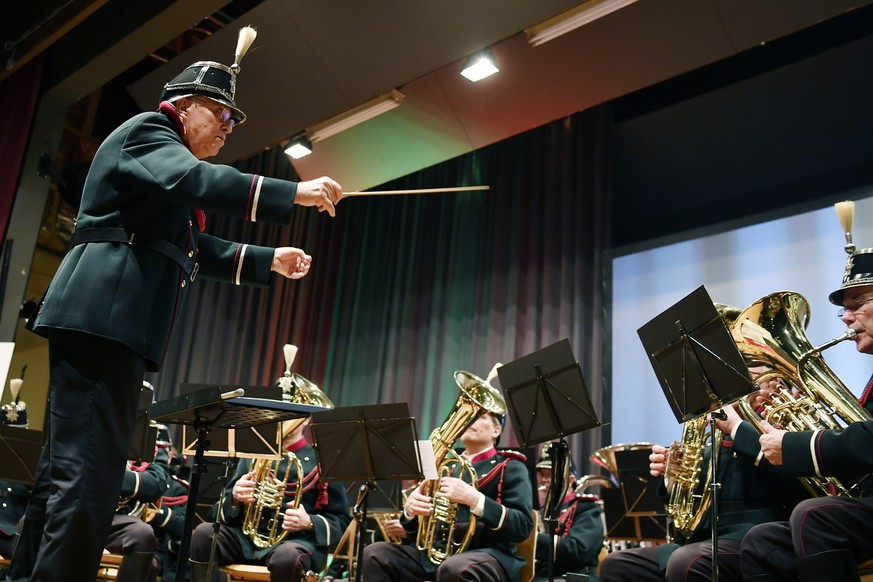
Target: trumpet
{"x":381,"y":518}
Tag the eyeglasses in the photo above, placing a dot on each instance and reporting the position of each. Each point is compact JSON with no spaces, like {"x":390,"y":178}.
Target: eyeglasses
{"x":222,"y":114}
{"x":855,"y":306}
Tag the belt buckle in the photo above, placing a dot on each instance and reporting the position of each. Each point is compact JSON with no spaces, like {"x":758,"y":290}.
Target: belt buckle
{"x":194,"y":272}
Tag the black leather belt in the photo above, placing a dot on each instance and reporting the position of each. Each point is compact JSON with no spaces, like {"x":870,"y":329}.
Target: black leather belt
{"x":119,"y":235}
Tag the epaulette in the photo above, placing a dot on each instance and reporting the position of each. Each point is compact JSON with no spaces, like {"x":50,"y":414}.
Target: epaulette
{"x":513,"y":455}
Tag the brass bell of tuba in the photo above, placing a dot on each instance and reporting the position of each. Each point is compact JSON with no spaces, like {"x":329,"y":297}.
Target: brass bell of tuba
{"x":437,"y":532}
{"x":263,"y":518}
{"x":770,"y":333}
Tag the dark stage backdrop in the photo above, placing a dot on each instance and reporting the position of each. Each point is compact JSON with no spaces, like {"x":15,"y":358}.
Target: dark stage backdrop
{"x":404,"y":290}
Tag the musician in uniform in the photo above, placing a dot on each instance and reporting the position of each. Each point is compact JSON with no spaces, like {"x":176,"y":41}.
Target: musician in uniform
{"x":311,"y":530}
{"x":502,"y":505}
{"x":579,"y":531}
{"x":825,"y":537}
{"x":169,"y":523}
{"x":131,"y":535}
{"x":749,"y":495}
{"x":13,"y":501}
{"x":110,"y":309}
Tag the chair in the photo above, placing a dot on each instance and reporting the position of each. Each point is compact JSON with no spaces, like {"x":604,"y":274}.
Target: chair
{"x":528,"y":550}
{"x":865,"y":570}
{"x":253,"y":573}
{"x":109,"y":564}
{"x":240,"y":572}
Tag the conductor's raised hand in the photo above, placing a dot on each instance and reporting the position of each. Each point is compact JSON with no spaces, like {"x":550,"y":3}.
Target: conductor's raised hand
{"x":290,"y":262}
{"x":323,"y":193}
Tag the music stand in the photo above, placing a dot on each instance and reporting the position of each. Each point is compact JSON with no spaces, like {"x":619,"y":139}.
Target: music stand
{"x":20,"y":449}
{"x":366,"y":443}
{"x":700,"y":370}
{"x":259,"y":441}
{"x":548,"y":387}
{"x":217,"y":407}
{"x":634,"y":510}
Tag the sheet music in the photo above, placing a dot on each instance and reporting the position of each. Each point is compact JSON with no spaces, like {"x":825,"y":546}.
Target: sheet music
{"x":427,"y":459}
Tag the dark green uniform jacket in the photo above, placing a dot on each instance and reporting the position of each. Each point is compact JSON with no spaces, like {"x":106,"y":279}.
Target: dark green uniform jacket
{"x":144,"y":180}
{"x":579,"y":536}
{"x":325,"y":503}
{"x":843,"y":453}
{"x":508,"y":515}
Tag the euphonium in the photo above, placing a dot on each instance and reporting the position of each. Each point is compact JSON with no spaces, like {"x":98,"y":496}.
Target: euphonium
{"x":263,"y":518}
{"x":437,"y":531}
{"x":690,"y":497}
{"x":770,"y":333}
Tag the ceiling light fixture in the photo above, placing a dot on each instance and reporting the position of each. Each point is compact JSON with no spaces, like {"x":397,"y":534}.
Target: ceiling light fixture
{"x":299,"y":147}
{"x":479,"y":66}
{"x":353,"y":117}
{"x":572,"y":19}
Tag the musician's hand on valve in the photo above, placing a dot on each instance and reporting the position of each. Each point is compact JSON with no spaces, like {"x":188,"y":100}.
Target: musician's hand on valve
{"x":458,"y":491}
{"x":658,"y":461}
{"x":771,"y":443}
{"x":243,"y":490}
{"x":290,"y":262}
{"x":296,"y":520}
{"x":417,"y":503}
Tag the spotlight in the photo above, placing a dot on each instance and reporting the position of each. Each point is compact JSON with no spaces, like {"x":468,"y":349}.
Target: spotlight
{"x":299,"y":146}
{"x":479,"y":66}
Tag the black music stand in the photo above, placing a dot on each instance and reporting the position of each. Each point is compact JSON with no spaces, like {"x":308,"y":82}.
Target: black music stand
{"x":635,"y":510}
{"x":366,"y":443}
{"x":700,"y":370}
{"x":548,"y":387}
{"x":20,"y":449}
{"x":217,"y":407}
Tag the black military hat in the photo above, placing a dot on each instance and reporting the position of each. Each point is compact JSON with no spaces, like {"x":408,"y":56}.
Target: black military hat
{"x":545,"y":460}
{"x":859,"y":271}
{"x":859,"y":265}
{"x":211,"y":79}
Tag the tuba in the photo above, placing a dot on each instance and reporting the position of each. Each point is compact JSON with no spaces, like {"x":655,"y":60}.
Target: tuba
{"x":770,"y":333}
{"x":689,"y":497}
{"x":437,"y":534}
{"x":263,"y":518}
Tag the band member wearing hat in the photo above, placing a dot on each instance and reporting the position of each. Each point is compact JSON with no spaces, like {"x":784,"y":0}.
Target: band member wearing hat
{"x":579,"y":532}
{"x":825,"y":538}
{"x":109,"y":312}
{"x":503,"y":507}
{"x":310,"y":529}
{"x":749,"y":495}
